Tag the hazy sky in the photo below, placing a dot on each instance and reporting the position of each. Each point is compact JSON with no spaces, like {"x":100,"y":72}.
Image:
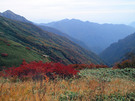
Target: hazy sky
{"x":101,"y":11}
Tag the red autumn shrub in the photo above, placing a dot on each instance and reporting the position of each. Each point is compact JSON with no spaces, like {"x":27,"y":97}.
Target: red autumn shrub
{"x":4,"y":54}
{"x":86,"y":66}
{"x":101,"y":66}
{"x":27,"y":48}
{"x":33,"y":69}
{"x":8,"y":44}
{"x":124,"y":64}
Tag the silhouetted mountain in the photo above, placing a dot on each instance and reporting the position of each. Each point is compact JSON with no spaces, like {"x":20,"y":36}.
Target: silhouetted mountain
{"x":96,"y":36}
{"x":58,"y":48}
{"x":117,"y":51}
{"x":11,"y":15}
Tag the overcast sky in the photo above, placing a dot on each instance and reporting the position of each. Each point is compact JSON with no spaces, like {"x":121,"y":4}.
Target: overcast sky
{"x":101,"y":11}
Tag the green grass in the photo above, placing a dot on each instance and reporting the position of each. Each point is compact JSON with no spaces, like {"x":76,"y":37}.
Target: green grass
{"x":16,"y":53}
{"x":107,"y":74}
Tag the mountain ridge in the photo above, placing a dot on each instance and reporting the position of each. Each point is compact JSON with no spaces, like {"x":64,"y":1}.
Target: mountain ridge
{"x":56,"y":31}
{"x":117,"y":51}
{"x":11,"y":15}
{"x":58,"y":48}
{"x":96,"y":36}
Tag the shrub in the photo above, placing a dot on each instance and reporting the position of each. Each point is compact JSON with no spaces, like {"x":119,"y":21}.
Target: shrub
{"x":8,"y":44}
{"x":40,"y":69}
{"x":4,"y":54}
{"x":86,"y":66}
{"x":124,"y":64}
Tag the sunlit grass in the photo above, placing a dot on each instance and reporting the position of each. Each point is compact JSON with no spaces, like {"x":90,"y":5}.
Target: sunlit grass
{"x":81,"y":89}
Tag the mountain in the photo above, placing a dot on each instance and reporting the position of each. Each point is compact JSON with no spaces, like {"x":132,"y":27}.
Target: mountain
{"x":52,"y":30}
{"x":117,"y":51}
{"x":96,"y":36}
{"x":56,"y":31}
{"x":42,"y":43}
{"x":11,"y":15}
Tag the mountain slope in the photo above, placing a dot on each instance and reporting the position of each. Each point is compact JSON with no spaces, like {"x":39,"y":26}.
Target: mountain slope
{"x":16,"y":53}
{"x":117,"y":51}
{"x":58,"y":48}
{"x":11,"y":15}
{"x":55,"y":31}
{"x":96,"y":36}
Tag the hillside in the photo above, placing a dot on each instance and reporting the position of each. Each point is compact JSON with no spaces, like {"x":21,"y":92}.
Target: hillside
{"x":96,"y":36}
{"x":56,"y":31}
{"x":58,"y":48}
{"x":11,"y":15}
{"x":16,"y":53}
{"x":117,"y":51}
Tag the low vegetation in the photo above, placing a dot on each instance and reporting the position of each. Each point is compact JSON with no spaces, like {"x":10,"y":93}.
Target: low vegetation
{"x":38,"y":81}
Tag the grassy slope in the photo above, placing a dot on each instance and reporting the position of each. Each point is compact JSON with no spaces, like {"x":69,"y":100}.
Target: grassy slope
{"x":16,"y":53}
{"x":57,"y":47}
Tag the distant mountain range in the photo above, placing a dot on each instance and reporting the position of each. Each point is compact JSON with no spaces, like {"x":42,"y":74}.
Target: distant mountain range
{"x":21,"y":34}
{"x":96,"y":36}
{"x":117,"y":51}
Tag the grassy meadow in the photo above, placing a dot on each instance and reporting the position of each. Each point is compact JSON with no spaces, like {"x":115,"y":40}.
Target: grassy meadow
{"x":91,"y":85}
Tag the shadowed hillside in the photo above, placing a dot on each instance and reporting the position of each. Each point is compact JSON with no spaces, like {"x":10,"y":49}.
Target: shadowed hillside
{"x":117,"y":51}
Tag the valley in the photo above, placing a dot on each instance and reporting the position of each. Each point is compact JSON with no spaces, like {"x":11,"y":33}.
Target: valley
{"x":67,"y":60}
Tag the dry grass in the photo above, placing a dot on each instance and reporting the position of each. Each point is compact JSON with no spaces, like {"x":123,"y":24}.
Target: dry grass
{"x":84,"y":88}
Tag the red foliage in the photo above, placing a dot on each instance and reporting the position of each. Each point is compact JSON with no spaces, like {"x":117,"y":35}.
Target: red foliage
{"x":125,"y":64}
{"x":4,"y":54}
{"x":90,"y":66}
{"x":8,"y":44}
{"x":27,"y":48}
{"x":39,"y":68}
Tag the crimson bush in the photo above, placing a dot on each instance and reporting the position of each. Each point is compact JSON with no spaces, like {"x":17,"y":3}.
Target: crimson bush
{"x":34,"y":69}
{"x":4,"y":54}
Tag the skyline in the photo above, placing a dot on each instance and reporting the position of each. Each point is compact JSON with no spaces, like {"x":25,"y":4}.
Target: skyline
{"x":100,"y":11}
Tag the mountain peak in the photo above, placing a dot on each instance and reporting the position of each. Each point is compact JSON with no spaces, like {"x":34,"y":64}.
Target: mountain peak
{"x":75,"y":20}
{"x":9,"y":11}
{"x":11,"y":15}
